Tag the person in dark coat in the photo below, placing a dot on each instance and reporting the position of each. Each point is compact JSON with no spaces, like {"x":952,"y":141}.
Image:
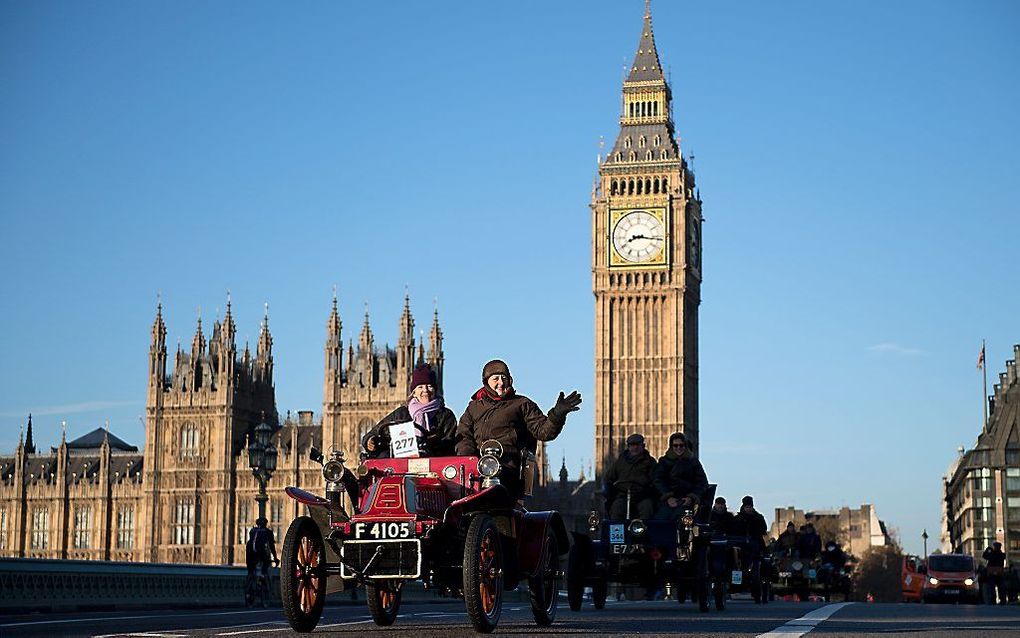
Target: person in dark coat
{"x":750,"y":523}
{"x":809,"y":544}
{"x":497,"y":412}
{"x":633,"y":473}
{"x":427,"y":410}
{"x":788,"y":540}
{"x":721,"y":518}
{"x":679,"y":478}
{"x":995,"y":569}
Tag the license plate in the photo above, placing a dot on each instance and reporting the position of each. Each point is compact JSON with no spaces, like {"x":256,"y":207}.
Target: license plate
{"x":628,"y":549}
{"x":382,"y":531}
{"x":951,"y":591}
{"x":616,"y":533}
{"x":738,"y":577}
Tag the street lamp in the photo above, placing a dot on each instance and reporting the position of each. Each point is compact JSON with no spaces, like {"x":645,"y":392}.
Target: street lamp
{"x":924,"y":537}
{"x":262,"y":459}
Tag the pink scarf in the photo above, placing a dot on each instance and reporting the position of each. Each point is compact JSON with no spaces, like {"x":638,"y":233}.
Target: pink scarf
{"x":421,"y":412}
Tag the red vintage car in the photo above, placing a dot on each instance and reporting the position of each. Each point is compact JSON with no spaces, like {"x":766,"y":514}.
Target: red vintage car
{"x":445,"y":521}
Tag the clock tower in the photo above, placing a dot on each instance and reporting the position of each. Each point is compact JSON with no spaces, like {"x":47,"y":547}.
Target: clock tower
{"x":646,"y":271}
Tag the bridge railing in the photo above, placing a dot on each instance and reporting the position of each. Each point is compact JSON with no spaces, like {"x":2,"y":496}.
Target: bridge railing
{"x":28,"y":584}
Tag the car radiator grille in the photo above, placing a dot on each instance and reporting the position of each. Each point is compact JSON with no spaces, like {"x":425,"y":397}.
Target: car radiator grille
{"x":399,"y":558}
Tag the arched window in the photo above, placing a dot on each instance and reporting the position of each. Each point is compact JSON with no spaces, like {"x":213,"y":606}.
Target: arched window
{"x":612,"y":188}
{"x":633,"y":156}
{"x":626,"y":142}
{"x":619,"y":157}
{"x":655,"y":185}
{"x":648,"y":155}
{"x":664,"y":154}
{"x":189,"y":441}
{"x":665,"y":184}
{"x":655,"y":108}
{"x":657,"y":140}
{"x":630,"y":187}
{"x":641,"y":141}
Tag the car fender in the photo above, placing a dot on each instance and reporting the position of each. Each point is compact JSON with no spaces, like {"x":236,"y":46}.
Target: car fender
{"x":495,"y":498}
{"x":531,"y":543}
{"x":306,"y":498}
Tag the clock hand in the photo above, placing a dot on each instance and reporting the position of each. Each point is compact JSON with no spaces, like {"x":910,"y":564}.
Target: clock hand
{"x":653,"y":238}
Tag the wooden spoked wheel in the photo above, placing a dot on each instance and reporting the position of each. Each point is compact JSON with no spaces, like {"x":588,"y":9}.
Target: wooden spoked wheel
{"x":302,"y":574}
{"x":483,"y":573}
{"x":383,"y":601}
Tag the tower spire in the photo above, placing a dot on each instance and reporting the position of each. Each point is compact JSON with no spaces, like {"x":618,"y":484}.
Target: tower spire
{"x":646,"y":66}
{"x":29,"y":440}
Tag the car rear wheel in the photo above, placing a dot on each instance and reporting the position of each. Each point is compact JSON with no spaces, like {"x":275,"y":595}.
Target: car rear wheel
{"x":599,"y":590}
{"x":302,"y":574}
{"x":483,"y":573}
{"x":577,"y":559}
{"x":545,"y":586}
{"x":383,"y":601}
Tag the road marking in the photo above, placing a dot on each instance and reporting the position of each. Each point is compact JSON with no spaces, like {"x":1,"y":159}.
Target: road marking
{"x":800,"y":626}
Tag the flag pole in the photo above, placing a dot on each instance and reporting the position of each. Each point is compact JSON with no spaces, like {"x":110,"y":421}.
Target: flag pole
{"x":984,"y":395}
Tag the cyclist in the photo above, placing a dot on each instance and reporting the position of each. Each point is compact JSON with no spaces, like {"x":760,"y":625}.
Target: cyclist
{"x":260,"y":548}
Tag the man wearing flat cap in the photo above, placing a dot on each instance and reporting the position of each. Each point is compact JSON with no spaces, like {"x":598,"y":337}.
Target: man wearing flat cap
{"x":497,"y":412}
{"x":631,"y":474}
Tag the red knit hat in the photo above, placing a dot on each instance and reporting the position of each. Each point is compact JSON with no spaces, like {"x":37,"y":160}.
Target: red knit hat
{"x":423,"y":375}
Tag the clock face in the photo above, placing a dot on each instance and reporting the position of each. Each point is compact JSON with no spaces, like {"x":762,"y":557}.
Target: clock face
{"x":639,"y":237}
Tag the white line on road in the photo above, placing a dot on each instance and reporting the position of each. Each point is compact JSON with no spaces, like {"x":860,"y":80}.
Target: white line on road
{"x":800,"y":626}
{"x":104,"y":618}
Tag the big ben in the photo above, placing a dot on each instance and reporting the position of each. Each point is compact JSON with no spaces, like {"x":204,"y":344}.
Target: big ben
{"x":646,"y":271}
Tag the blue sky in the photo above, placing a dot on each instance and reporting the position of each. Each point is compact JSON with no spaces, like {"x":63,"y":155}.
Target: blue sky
{"x":857,"y":163}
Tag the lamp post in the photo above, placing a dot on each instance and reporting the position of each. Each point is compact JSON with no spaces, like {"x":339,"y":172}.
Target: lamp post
{"x":924,"y":537}
{"x":262,"y":459}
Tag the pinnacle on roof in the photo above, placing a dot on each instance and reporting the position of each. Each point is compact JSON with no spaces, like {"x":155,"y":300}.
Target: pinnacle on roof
{"x":646,"y":66}
{"x":29,"y":440}
{"x":333,"y":324}
{"x":265,"y":344}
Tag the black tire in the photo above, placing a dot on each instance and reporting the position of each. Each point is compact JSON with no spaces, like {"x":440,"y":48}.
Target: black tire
{"x":599,"y":591}
{"x":483,"y":573}
{"x":576,"y":564}
{"x":544,"y":588}
{"x":383,"y":601}
{"x":302,"y":574}
{"x":681,"y":592}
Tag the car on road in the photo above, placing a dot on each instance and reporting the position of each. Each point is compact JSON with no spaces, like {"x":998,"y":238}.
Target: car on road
{"x":950,"y":577}
{"x":444,"y":521}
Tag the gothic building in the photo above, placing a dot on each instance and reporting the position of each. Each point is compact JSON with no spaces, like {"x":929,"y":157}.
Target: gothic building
{"x":189,"y":496}
{"x":982,"y":488}
{"x":646,"y":271}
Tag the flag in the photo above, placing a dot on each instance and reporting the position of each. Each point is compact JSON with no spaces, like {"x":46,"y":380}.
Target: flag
{"x":981,"y":358}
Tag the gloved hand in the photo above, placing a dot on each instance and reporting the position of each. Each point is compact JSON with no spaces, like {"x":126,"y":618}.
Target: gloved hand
{"x":566,"y":405}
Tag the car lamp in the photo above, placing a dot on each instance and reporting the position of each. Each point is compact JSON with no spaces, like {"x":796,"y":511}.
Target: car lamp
{"x":333,"y":471}
{"x":969,"y":582}
{"x":488,"y":466}
{"x":593,"y":520}
{"x":637,"y":527}
{"x":933,"y":580}
{"x":688,"y":520}
{"x":449,"y":472}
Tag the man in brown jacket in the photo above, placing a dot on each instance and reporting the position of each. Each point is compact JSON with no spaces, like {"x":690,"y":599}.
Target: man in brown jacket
{"x":497,"y":412}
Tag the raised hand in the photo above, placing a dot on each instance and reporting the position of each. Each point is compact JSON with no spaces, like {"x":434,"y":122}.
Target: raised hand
{"x":566,"y":405}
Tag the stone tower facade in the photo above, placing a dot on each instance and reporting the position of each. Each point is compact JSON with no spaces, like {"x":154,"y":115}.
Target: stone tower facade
{"x":366,"y":383}
{"x":646,"y":271}
{"x":197,"y":421}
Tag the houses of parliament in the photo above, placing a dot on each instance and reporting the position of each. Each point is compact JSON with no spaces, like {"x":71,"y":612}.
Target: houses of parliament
{"x":189,"y":496}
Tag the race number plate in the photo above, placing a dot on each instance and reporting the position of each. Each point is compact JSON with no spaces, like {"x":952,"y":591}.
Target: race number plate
{"x":616,"y":534}
{"x":738,"y":577}
{"x":403,"y":442}
{"x":811,"y":573}
{"x":382,"y":531}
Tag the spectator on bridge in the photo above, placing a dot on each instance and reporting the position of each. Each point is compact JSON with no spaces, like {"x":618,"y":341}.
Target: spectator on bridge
{"x":995,"y":569}
{"x":260,"y":548}
{"x":679,"y":478}
{"x":631,"y":475}
{"x":427,"y":410}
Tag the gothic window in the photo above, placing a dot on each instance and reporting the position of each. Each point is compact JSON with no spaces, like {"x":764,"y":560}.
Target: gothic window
{"x":657,"y":140}
{"x":655,"y":108}
{"x":189,"y":441}
{"x":40,"y":528}
{"x":648,"y":155}
{"x":665,"y":184}
{"x":184,"y":521}
{"x":640,"y":187}
{"x":3,"y":528}
{"x":626,"y":142}
{"x":641,"y":141}
{"x":126,"y":527}
{"x":276,"y":516}
{"x":630,"y":187}
{"x":631,"y":109}
{"x":633,"y":156}
{"x":613,"y":189}
{"x":82,"y":527}
{"x":619,"y":157}
{"x":663,"y":154}
{"x":243,"y":521}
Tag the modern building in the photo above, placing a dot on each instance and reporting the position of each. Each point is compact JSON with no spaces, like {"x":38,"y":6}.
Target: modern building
{"x":982,"y":491}
{"x":646,"y":270}
{"x":856,"y":530}
{"x":189,"y":496}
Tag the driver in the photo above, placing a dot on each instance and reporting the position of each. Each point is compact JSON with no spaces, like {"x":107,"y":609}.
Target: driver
{"x":428,"y":412}
{"x":497,"y":412}
{"x":679,"y":478}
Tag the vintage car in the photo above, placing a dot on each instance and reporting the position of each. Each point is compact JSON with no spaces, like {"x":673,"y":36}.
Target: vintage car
{"x":737,"y":565}
{"x":797,"y":576}
{"x":650,"y":554}
{"x":446,"y":522}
